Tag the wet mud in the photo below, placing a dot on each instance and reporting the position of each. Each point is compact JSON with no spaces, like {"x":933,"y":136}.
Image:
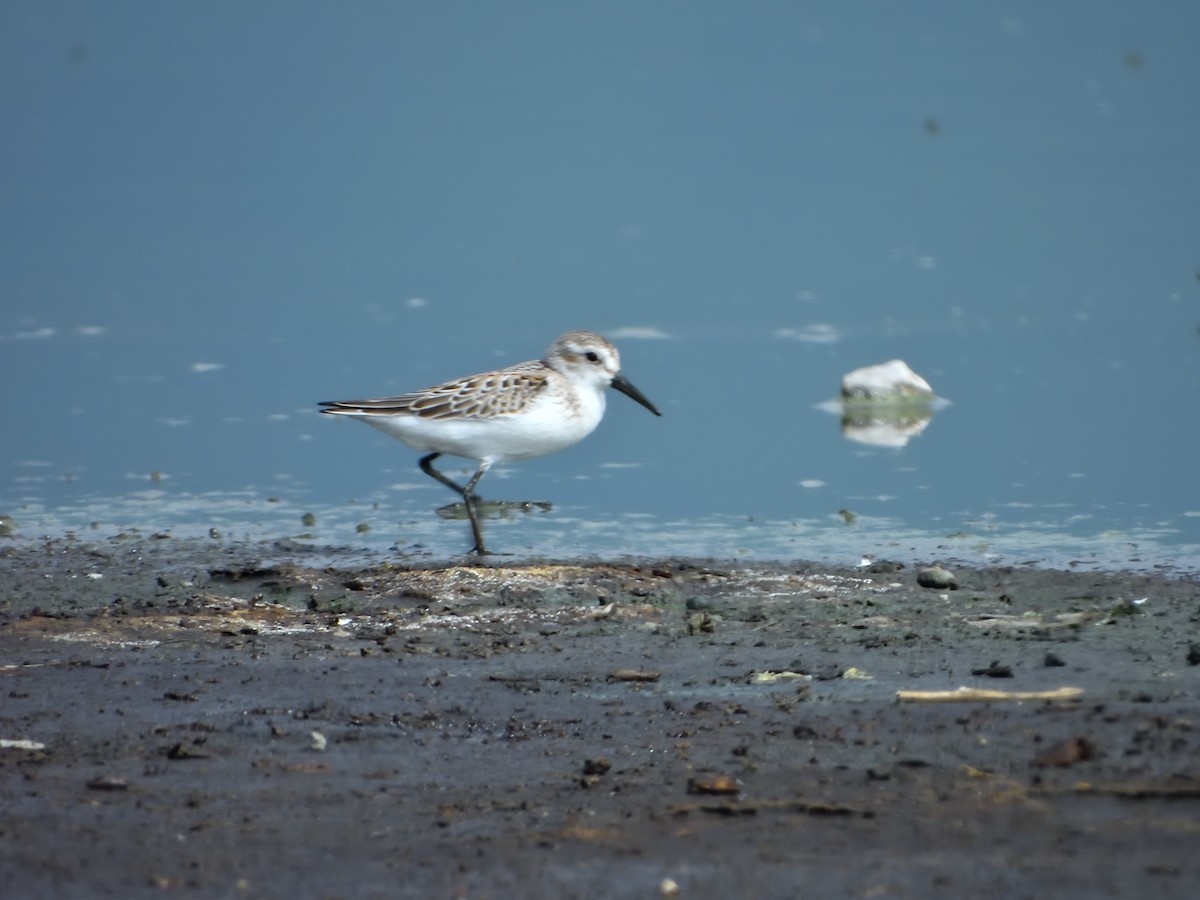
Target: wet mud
{"x":186,"y":720}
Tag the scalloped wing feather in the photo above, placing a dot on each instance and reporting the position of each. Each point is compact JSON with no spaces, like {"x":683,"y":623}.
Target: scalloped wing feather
{"x":483,"y":396}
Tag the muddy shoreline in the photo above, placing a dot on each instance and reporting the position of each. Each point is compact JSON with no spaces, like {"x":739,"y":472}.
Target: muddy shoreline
{"x":188,"y":720}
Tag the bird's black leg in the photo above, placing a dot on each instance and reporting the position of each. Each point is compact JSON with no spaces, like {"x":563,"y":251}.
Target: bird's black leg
{"x":426,"y":464}
{"x":469,"y":501}
{"x":467,"y":493}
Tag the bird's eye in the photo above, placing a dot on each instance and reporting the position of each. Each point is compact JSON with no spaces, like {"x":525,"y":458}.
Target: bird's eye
{"x":592,"y":356}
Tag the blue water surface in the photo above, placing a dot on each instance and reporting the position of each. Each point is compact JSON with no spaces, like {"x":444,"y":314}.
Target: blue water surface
{"x":218,"y":214}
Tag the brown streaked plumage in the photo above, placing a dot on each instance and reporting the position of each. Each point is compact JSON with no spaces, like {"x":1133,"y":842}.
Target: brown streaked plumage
{"x":499,"y":393}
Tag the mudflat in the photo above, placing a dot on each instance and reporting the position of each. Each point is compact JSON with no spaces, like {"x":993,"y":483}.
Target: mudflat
{"x":245,"y":720}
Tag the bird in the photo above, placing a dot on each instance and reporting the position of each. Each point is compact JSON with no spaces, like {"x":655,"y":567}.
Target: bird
{"x":519,"y":412}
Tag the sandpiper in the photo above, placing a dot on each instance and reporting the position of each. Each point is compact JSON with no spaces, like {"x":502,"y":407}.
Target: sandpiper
{"x":520,"y":412}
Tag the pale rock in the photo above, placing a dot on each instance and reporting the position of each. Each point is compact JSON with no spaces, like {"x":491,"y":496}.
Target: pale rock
{"x":890,"y":381}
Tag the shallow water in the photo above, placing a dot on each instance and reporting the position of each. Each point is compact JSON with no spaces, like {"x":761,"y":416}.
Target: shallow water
{"x":222,"y":216}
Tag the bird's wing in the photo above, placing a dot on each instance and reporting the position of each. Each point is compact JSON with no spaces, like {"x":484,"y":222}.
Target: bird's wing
{"x":483,"y":396}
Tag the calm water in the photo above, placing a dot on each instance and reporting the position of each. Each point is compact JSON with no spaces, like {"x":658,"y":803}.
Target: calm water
{"x":218,"y":214}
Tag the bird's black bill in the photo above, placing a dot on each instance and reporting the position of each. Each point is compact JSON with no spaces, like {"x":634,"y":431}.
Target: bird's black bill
{"x":622,"y":384}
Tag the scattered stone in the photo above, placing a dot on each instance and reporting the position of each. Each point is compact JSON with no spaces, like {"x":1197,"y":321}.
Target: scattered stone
{"x":1066,"y":753}
{"x":594,"y":771}
{"x":633,"y":675}
{"x":1193,"y":655}
{"x":108,"y":783}
{"x":1123,"y":609}
{"x":599,"y":766}
{"x":828,"y":672}
{"x":995,"y":670}
{"x":713,"y":784}
{"x":938,"y":578}
{"x":180,"y":751}
{"x":1051,"y":660}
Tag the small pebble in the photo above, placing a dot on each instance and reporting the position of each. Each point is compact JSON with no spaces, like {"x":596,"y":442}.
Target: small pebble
{"x":713,"y":784}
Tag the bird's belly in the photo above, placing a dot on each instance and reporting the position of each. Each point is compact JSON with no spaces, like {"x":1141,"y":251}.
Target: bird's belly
{"x":531,"y":433}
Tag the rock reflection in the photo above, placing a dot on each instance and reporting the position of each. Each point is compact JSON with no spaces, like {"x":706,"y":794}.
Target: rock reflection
{"x":891,"y":427}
